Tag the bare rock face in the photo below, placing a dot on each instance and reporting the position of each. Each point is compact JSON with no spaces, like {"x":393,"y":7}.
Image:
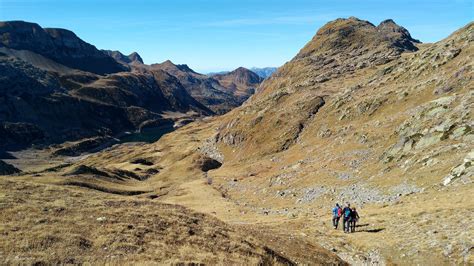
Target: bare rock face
{"x":60,"y":45}
{"x":397,"y":35}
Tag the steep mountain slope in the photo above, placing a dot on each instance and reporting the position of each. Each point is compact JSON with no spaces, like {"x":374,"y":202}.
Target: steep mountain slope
{"x":240,"y":82}
{"x":352,"y":118}
{"x":205,"y":89}
{"x":51,"y":90}
{"x":364,"y":114}
{"x":60,"y":45}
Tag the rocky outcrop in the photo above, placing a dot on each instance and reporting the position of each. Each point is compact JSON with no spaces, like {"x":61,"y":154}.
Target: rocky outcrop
{"x":60,"y":45}
{"x":463,"y":171}
{"x":396,"y":35}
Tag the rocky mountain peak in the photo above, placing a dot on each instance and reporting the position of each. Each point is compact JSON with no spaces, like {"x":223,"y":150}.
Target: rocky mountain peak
{"x":175,"y":69}
{"x":185,"y":68}
{"x":399,"y":36}
{"x":135,"y":57}
{"x":124,"y":59}
{"x":241,"y":82}
{"x":60,"y":45}
{"x":348,"y":35}
{"x":243,"y":75}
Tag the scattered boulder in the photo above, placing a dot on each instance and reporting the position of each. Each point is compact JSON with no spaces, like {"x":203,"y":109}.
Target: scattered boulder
{"x":463,"y":170}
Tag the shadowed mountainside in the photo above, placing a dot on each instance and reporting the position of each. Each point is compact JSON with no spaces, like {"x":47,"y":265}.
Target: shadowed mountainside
{"x":60,"y":45}
{"x":56,"y":87}
{"x":220,"y":93}
{"x":133,"y":58}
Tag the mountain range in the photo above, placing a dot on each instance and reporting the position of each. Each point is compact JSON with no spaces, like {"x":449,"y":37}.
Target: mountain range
{"x":263,"y":72}
{"x":56,"y":87}
{"x":363,"y":114}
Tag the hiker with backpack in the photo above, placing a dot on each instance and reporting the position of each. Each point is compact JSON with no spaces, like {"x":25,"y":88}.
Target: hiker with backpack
{"x":353,"y":219}
{"x":346,"y":218}
{"x":336,"y":215}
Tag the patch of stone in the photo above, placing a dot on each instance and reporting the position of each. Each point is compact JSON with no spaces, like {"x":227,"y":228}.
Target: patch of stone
{"x":310,"y":194}
{"x":359,"y":195}
{"x":344,"y":176}
{"x":431,"y":124}
{"x":281,"y":179}
{"x":405,"y":189}
{"x":463,"y":171}
{"x":209,"y":148}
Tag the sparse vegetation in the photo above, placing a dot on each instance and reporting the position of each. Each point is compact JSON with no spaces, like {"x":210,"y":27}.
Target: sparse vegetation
{"x":364,"y":114}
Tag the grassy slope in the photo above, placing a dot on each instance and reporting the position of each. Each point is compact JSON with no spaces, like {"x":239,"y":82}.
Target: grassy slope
{"x":430,"y":225}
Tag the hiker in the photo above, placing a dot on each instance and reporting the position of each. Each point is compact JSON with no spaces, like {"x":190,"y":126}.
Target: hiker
{"x":354,"y":219}
{"x":346,"y":212}
{"x":336,"y":215}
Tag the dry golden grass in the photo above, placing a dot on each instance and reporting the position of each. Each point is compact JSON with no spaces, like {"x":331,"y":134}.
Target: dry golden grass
{"x":274,"y":149}
{"x":47,"y":224}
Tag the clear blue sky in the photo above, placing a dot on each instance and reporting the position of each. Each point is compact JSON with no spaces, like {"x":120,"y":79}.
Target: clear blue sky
{"x":211,"y":35}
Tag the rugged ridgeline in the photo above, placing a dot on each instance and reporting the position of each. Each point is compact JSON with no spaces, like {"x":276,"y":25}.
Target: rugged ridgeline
{"x":59,"y":45}
{"x":133,"y":58}
{"x":221,"y":93}
{"x":363,"y":113}
{"x":56,"y":87}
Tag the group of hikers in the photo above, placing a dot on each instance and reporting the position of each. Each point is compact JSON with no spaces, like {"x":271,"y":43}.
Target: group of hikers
{"x":349,"y":217}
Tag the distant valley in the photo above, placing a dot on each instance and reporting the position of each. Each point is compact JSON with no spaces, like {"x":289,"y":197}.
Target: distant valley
{"x":56,"y":87}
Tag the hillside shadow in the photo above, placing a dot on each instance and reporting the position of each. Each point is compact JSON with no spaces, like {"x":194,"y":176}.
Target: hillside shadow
{"x":6,"y":155}
{"x":361,"y":225}
{"x":375,"y":230}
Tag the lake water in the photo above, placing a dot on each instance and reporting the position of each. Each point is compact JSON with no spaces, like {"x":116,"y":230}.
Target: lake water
{"x":147,"y":135}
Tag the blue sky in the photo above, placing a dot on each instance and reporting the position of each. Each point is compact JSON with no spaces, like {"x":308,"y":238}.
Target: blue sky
{"x":212,"y":35}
